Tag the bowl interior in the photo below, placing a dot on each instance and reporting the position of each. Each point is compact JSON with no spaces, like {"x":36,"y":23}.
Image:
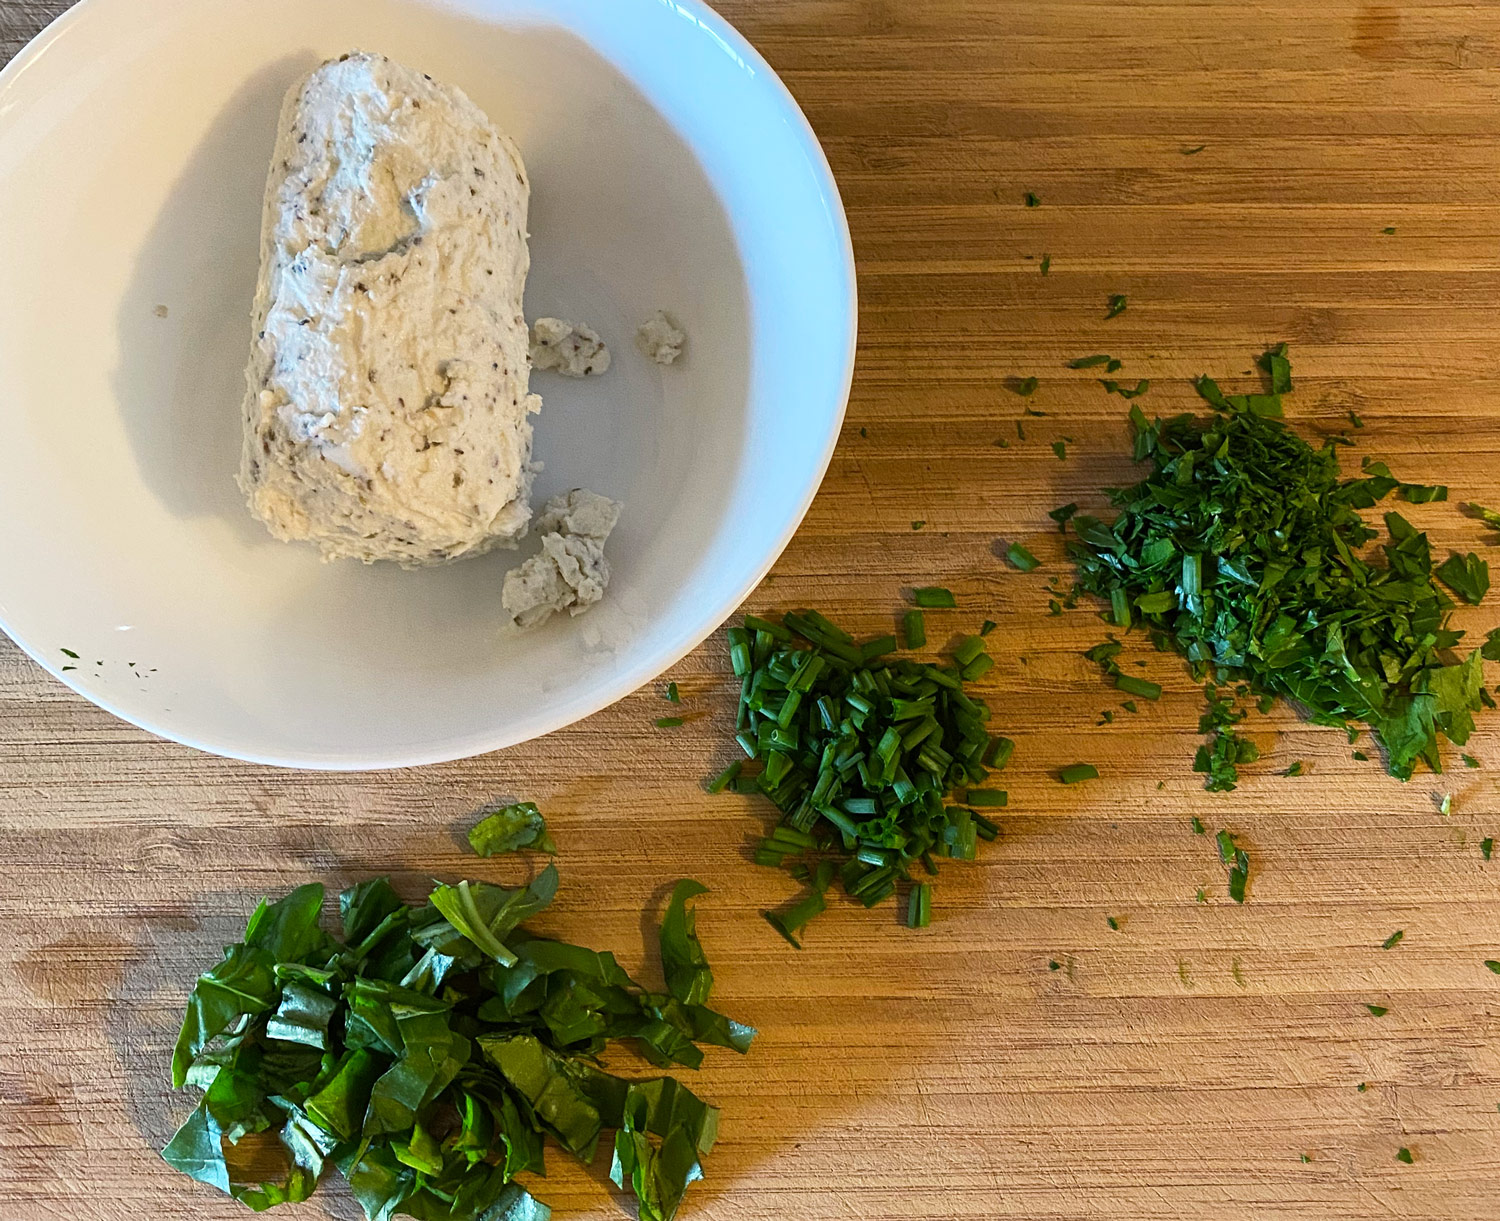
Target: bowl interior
{"x":669,"y":170}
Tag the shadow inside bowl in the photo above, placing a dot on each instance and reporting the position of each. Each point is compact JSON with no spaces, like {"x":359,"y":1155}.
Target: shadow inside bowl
{"x":624,"y":221}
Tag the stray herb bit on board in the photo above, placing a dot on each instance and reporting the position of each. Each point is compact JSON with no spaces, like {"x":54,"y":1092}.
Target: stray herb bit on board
{"x":934,"y":597}
{"x":1294,"y":769}
{"x":1019,"y":557}
{"x":1031,"y":199}
{"x":988,"y":626}
{"x":1470,"y":761}
{"x":1117,"y":306}
{"x":673,"y":694}
{"x":1466,"y":575}
{"x":1238,"y":861}
{"x":1391,"y":942}
{"x":1404,"y":1155}
{"x":1024,"y":386}
{"x":1046,"y":264}
{"x":669,"y":722}
{"x":1194,"y":151}
{"x":1487,"y":847}
{"x":1389,"y":230}
{"x":1060,"y":448}
{"x":511,"y":828}
{"x":1377,"y":1010}
{"x":1493,"y":965}
{"x":1125,"y":392}
{"x":1090,"y":362}
{"x":1422,"y":493}
{"x":1076,"y":772}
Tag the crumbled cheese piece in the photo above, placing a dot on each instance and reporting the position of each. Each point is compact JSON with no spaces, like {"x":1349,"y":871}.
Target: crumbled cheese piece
{"x":571,"y":572}
{"x":569,"y":348}
{"x":660,"y":338}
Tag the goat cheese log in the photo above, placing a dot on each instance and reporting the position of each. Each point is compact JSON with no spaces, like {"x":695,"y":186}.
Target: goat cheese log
{"x":387,"y":410}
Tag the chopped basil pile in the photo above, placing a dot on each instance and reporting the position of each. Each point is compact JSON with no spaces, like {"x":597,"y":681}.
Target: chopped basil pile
{"x":1243,"y":549}
{"x":860,"y":754}
{"x":428,"y":1052}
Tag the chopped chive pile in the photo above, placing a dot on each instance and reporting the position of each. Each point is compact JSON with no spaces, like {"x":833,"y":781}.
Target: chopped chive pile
{"x":431,"y":1052}
{"x":1243,"y":549}
{"x":862,"y":754}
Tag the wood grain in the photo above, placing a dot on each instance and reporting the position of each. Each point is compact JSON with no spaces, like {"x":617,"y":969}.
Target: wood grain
{"x":1176,"y":1068}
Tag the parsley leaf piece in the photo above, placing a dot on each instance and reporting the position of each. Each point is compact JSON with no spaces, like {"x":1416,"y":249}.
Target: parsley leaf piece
{"x":1024,"y":386}
{"x":1063,"y":513}
{"x":1468,"y":576}
{"x":1294,"y":770}
{"x":1198,"y":827}
{"x":1421,"y":493}
{"x":1492,"y":965}
{"x":1238,"y":861}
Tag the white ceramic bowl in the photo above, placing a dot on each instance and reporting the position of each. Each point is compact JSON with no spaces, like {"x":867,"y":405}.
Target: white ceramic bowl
{"x":670,"y":169}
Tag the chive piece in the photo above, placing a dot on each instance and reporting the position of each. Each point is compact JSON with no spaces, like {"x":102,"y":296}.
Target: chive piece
{"x":1046,"y":264}
{"x":1090,"y":362}
{"x":988,"y":626}
{"x":668,"y":722}
{"x":1194,"y":151}
{"x":673,"y":695}
{"x":1492,"y":965}
{"x":1131,"y":685}
{"x":919,"y":906}
{"x":69,"y":653}
{"x":739,"y":651}
{"x":985,"y":828}
{"x":998,"y":753}
{"x":1060,"y":448}
{"x":1391,"y":942}
{"x":1021,"y":558}
{"x":1487,"y":847}
{"x":1389,"y":230}
{"x":1113,"y":923}
{"x":977,"y":668}
{"x":1117,"y":306}
{"x":914,"y":628}
{"x":878,"y":647}
{"x":774,"y":630}
{"x":1076,"y":772}
{"x":1031,"y":199}
{"x":725,"y":778}
{"x":970,"y":648}
{"x":934,"y":596}
{"x":986,"y":797}
{"x":1377,"y":1010}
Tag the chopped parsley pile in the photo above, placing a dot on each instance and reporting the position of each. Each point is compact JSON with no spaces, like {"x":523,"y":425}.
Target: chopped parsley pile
{"x":428,"y":1053}
{"x":861,"y":752}
{"x":1244,"y":550}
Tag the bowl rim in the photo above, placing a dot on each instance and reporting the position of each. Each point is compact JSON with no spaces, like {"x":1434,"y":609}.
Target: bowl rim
{"x":649,"y":667}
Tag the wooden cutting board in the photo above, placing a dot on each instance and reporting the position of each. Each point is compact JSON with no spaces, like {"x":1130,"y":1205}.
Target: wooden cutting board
{"x":1204,"y":1060}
